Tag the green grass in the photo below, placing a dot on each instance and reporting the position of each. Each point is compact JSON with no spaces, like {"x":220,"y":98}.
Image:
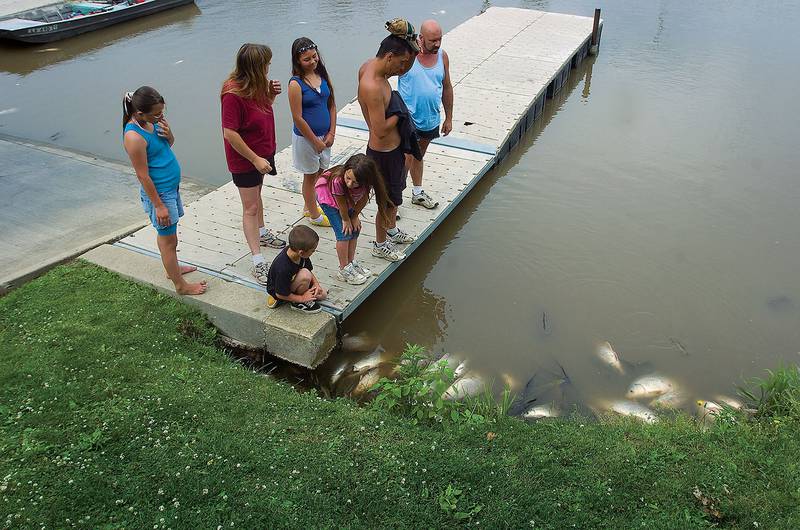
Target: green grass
{"x":117,"y":410}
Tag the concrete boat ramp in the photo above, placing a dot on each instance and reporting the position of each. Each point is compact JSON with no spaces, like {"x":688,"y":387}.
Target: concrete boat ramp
{"x":504,"y":64}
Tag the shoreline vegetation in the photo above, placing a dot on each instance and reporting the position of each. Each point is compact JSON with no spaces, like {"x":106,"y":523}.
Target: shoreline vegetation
{"x":118,"y":411}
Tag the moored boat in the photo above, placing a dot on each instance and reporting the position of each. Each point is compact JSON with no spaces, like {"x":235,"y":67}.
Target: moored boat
{"x":56,"y":21}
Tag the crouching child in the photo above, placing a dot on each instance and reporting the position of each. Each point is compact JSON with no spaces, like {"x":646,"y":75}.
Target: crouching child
{"x":290,"y":279}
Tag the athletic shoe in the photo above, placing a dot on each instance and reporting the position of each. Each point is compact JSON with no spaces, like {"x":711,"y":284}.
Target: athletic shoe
{"x":387,"y":251}
{"x":361,"y":270}
{"x":322,"y":222}
{"x":400,"y":237}
{"x":270,"y":240}
{"x":349,"y":275}
{"x":423,"y":199}
{"x":259,"y":272}
{"x":309,"y":308}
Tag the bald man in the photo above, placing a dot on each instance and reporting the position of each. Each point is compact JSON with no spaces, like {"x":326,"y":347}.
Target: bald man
{"x":423,"y":88}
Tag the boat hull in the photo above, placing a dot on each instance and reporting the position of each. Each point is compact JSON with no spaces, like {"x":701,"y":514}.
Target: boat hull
{"x":69,"y":28}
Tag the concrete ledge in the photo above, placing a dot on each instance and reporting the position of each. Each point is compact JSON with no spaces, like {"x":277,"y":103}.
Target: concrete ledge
{"x":238,"y":311}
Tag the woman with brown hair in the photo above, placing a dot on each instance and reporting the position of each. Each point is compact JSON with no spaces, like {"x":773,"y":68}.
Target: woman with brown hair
{"x":248,"y":129}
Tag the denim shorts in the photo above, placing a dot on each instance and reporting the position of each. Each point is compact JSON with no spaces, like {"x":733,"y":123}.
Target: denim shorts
{"x":172,"y":200}
{"x":337,"y":224}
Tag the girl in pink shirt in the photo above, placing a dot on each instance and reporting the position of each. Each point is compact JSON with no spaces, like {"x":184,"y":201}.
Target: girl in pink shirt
{"x":342,"y":192}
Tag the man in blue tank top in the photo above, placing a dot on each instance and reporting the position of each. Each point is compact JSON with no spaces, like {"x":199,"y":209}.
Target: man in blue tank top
{"x":423,"y":88}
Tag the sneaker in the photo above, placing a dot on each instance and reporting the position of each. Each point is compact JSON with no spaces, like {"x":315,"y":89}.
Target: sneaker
{"x":361,"y":270}
{"x":387,"y":251}
{"x":423,"y":199}
{"x":270,"y":240}
{"x":349,"y":275}
{"x":322,"y":222}
{"x":400,"y":237}
{"x":259,"y":272}
{"x":309,"y":308}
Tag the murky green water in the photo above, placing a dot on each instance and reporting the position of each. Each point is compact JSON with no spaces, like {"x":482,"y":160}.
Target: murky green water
{"x":654,"y":206}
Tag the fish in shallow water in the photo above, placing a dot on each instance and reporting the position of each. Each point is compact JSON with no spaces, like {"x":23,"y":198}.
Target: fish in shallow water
{"x":634,"y":410}
{"x":650,"y":386}
{"x":542,"y":411}
{"x":358,"y":342}
{"x":670,"y":400}
{"x":609,"y":357}
{"x":367,"y":381}
{"x":468,"y":386}
{"x":370,"y":361}
{"x":455,"y":362}
{"x":730,"y":401}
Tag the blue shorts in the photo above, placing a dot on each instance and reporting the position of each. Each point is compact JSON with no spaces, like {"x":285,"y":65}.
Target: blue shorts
{"x":172,"y":200}
{"x":336,"y":223}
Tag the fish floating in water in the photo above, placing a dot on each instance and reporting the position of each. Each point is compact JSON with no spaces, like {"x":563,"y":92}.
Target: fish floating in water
{"x":370,"y":361}
{"x":609,"y":357}
{"x":650,"y":386}
{"x":634,"y":410}
{"x":670,"y":400}
{"x":468,"y":386}
{"x":542,"y":411}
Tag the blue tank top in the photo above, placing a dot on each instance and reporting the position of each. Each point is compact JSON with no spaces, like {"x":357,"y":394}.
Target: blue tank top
{"x":421,"y":89}
{"x":165,"y":172}
{"x":315,"y":107}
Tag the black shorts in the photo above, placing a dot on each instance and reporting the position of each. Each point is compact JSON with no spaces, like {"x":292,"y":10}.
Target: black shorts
{"x":392,"y":165}
{"x":428,"y":135}
{"x":251,"y":179}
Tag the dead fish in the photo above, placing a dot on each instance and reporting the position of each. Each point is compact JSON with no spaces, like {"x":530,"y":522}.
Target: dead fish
{"x":360,"y":342}
{"x":338,"y":373}
{"x":367,"y":381}
{"x":47,"y":50}
{"x":708,"y":410}
{"x":542,"y":411}
{"x":370,"y":361}
{"x":634,"y":410}
{"x":670,"y":400}
{"x":12,"y":110}
{"x":730,"y":401}
{"x":609,"y":357}
{"x":650,"y":386}
{"x":467,"y":386}
{"x":455,"y":363}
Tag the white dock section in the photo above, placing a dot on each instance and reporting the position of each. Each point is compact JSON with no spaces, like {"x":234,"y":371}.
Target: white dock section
{"x":504,"y":64}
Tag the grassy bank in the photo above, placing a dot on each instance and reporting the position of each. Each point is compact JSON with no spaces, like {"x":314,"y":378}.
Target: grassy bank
{"x":116,"y":410}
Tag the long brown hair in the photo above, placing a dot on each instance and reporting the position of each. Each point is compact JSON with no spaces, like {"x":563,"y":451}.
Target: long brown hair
{"x":249,"y":79}
{"x":366,"y":172}
{"x":305,"y":44}
{"x":143,"y":100}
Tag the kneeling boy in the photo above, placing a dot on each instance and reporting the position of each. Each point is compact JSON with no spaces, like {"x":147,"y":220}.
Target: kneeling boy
{"x":290,"y":278}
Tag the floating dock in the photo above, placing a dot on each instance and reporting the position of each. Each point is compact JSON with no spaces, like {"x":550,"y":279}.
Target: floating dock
{"x":501,"y":82}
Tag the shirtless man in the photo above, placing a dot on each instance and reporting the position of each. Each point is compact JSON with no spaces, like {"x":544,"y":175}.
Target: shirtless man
{"x":424,"y":88}
{"x":394,"y":57}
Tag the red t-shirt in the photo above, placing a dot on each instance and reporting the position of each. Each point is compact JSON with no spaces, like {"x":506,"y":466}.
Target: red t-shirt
{"x":254,"y":123}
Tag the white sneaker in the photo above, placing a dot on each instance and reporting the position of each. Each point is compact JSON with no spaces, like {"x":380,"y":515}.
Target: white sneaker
{"x":400,"y":237}
{"x":387,"y":251}
{"x":259,"y":272}
{"x":423,"y":199}
{"x":361,"y":270}
{"x":349,"y":275}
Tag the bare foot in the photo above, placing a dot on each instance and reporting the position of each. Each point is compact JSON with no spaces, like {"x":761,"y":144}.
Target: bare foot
{"x":193,"y":288}
{"x":186,"y":269}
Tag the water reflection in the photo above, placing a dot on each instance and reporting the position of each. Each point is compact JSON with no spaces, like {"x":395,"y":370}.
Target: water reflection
{"x":18,"y":58}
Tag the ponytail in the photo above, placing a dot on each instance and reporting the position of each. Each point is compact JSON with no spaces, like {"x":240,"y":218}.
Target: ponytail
{"x":142,"y":100}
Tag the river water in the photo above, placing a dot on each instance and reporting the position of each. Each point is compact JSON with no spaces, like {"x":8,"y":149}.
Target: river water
{"x":653,"y":206}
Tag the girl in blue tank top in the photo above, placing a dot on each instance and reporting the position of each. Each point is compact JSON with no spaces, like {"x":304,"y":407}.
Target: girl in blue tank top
{"x":148,"y":141}
{"x":314,"y":114}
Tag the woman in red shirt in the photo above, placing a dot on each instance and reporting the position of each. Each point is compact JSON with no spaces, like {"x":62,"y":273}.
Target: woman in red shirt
{"x":248,"y":129}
